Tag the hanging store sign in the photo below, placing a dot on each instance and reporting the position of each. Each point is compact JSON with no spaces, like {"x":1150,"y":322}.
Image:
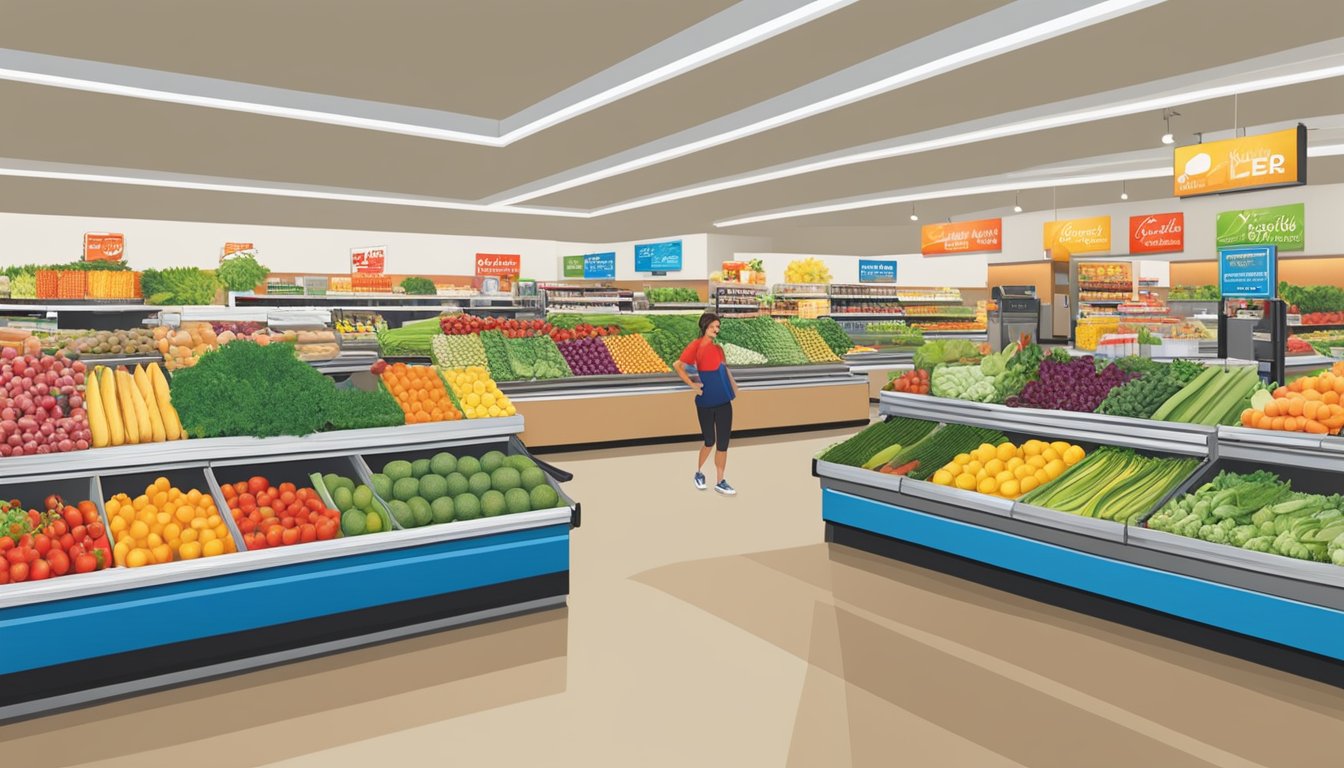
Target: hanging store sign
{"x":658,"y":257}
{"x":877,"y":271}
{"x":985,"y":235}
{"x":1276,"y":159}
{"x":1062,"y":239}
{"x":104,"y":246}
{"x":232,"y":248}
{"x":371,"y":260}
{"x":1157,"y":233}
{"x":498,"y":264}
{"x":1249,"y":272}
{"x":1284,"y":226}
{"x":600,"y":266}
{"x":571,"y":266}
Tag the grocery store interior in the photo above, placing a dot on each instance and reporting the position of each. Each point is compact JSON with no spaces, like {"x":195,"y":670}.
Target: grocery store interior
{"x":355,"y":358}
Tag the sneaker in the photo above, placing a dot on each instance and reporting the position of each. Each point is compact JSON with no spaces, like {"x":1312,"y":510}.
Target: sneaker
{"x":724,"y":488}
{"x":700,"y":481}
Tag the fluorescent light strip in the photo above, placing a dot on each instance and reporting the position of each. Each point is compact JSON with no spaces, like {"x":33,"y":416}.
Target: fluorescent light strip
{"x":956,"y":60}
{"x":985,"y":134}
{"x":1155,"y":172}
{"x":260,"y":189}
{"x":744,"y":39}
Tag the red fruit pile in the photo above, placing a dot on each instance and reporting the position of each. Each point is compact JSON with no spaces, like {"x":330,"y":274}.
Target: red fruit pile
{"x":463,"y":324}
{"x":41,"y":403}
{"x":279,"y":516}
{"x":1323,"y":318}
{"x":1297,"y":346}
{"x":60,"y":540}
{"x":915,"y":382}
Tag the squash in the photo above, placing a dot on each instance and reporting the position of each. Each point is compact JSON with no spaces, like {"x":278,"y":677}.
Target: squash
{"x":116,"y":428}
{"x":129,"y":418}
{"x":93,"y":405}
{"x":146,"y":391}
{"x":172,"y":425}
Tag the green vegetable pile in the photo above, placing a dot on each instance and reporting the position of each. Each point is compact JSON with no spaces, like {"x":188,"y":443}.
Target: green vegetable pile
{"x":667,"y":346}
{"x":673,"y":334}
{"x":934,"y":353}
{"x":458,"y":351}
{"x":1140,"y":398}
{"x":763,"y":335}
{"x":179,"y":285}
{"x":1112,"y":484}
{"x":831,"y":333}
{"x":1020,"y":369}
{"x":410,"y":340}
{"x":627,"y":323}
{"x":419,"y":286}
{"x":1313,"y":298}
{"x":963,"y":382}
{"x":672,"y":295}
{"x":353,"y":408}
{"x":1194,"y":293}
{"x":497,"y":355}
{"x":536,"y":357}
{"x":876,"y":438}
{"x":241,"y":273}
{"x":1215,"y":396}
{"x":23,"y":286}
{"x":942,"y":445}
{"x":1258,"y":512}
{"x":243,"y":388}
{"x":902,"y":335}
{"x":30,"y":270}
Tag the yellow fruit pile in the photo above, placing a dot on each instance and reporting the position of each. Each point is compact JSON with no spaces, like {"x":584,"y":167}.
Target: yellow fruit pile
{"x":814,"y":347}
{"x":129,"y":408}
{"x":807,"y":270}
{"x":164,"y":524}
{"x":634,"y":355}
{"x":477,"y":392}
{"x":1008,"y":471}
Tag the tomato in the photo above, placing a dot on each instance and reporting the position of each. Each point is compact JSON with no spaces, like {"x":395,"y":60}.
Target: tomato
{"x":52,"y":503}
{"x":308,"y":533}
{"x":72,"y":517}
{"x":265,"y":499}
{"x":274,"y":535}
{"x":79,"y":532}
{"x":59,"y":561}
{"x":246,"y":525}
{"x":18,"y":572}
{"x":240,"y":487}
{"x":42,"y":544}
{"x":17,"y":555}
{"x":291,"y":536}
{"x":40,"y":570}
{"x":230,"y":493}
{"x":287,"y":497}
{"x":30,"y":554}
{"x":256,"y":485}
{"x":287,"y":488}
{"x":58,"y":529}
{"x":67,"y":541}
{"x":326,"y":530}
{"x":287,"y":523}
{"x":90,"y":511}
{"x":95,"y":530}
{"x":4,"y":575}
{"x":6,"y":544}
{"x":86,"y":563}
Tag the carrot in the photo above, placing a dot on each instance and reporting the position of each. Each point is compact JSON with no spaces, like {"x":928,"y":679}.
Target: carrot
{"x":907,"y":468}
{"x":1276,"y":423}
{"x":1295,"y":407}
{"x":1290,"y":424}
{"x":1272,"y":408}
{"x":1311,"y":408}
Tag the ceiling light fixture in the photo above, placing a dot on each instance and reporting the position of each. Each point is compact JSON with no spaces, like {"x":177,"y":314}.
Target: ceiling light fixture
{"x":1017,"y":205}
{"x":913,"y":216}
{"x":1316,"y":62}
{"x":1167,"y":114}
{"x":1124,"y":193}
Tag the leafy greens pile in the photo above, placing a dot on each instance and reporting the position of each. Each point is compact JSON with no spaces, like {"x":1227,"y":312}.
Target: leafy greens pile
{"x":179,"y":285}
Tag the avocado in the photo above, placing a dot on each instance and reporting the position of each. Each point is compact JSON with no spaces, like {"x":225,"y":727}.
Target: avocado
{"x":492,"y":461}
{"x":342,"y":499}
{"x":532,"y":477}
{"x":421,"y":509}
{"x":442,"y":509}
{"x":419,"y":468}
{"x":544,"y":497}
{"x":363,"y":496}
{"x":517,"y":500}
{"x":457,"y":484}
{"x":432,"y":487}
{"x":466,"y":507}
{"x":492,"y":504}
{"x":401,"y":512}
{"x":397,"y":470}
{"x":443,"y":464}
{"x":468,"y":465}
{"x":382,"y":485}
{"x":505,"y":479}
{"x":353,"y":522}
{"x":478,"y":483}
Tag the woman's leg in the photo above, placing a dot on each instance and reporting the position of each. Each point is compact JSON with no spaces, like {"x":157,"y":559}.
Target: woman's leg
{"x":723,"y":427}
{"x":706,"y":416}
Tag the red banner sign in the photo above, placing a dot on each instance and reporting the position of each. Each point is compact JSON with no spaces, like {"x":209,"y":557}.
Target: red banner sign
{"x":368,"y":261}
{"x":1157,"y":233}
{"x":104,"y":246}
{"x":961,"y":237}
{"x":498,"y":264}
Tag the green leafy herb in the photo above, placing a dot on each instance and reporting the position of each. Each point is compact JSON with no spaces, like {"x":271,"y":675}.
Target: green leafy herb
{"x":419,"y":286}
{"x":242,"y":273}
{"x":243,"y":388}
{"x":179,"y":285}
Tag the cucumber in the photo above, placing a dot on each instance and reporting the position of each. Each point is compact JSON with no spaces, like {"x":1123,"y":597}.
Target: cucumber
{"x":1178,"y":399}
{"x":882,"y":456}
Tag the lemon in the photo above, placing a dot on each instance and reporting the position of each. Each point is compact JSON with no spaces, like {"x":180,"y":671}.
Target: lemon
{"x":942,"y":477}
{"x":1023,"y":471}
{"x":1060,"y":446}
{"x":510,"y":411}
{"x":1006,"y":451}
{"x":473,"y":400}
{"x":1050,"y":454}
{"x":1031,"y":448}
{"x":137,"y":558}
{"x":974,"y":467}
{"x":494,"y":411}
{"x":965,"y":481}
{"x":1054,"y":468}
{"x":478,"y":387}
{"x":1037,"y":462}
{"x":1073,"y":455}
{"x":1027,"y":483}
{"x":994,"y":466}
{"x":212,"y":548}
{"x":1003,"y":477}
{"x":1042,"y":477}
{"x":1014,"y":463}
{"x":986,"y":452}
{"x":487,"y":399}
{"x":988,"y":485}
{"x":1010,"y":488}
{"x":962,"y":459}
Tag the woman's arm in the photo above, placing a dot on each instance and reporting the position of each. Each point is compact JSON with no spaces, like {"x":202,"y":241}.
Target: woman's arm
{"x":680,"y":368}
{"x":731,"y":380}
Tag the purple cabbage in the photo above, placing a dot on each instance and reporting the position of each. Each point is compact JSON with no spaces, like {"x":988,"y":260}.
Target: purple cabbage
{"x":588,"y":357}
{"x":1073,"y":386}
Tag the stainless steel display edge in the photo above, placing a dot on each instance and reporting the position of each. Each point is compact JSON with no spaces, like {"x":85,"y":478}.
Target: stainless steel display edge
{"x":1167,"y":437}
{"x":1065,"y":521}
{"x":1246,"y":577}
{"x":866,"y":477}
{"x":955,"y":497}
{"x":1264,"y":562}
{"x":576,"y":390}
{"x":1290,"y":448}
{"x":97,"y":460}
{"x":119,"y":579}
{"x":746,"y":376}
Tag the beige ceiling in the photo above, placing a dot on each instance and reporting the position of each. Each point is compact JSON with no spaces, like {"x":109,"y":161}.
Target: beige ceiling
{"x":495,"y":58}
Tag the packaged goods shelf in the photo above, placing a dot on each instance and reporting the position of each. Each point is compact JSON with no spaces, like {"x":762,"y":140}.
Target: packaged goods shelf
{"x":1282,"y":602}
{"x":176,"y":622}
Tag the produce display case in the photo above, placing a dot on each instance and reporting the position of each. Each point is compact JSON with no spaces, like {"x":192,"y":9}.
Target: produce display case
{"x":1265,"y":606}
{"x":736,"y":299}
{"x":586,"y":298}
{"x":167,"y":624}
{"x":399,"y":308}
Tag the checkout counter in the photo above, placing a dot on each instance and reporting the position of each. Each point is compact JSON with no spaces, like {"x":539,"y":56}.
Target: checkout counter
{"x":1014,"y":310}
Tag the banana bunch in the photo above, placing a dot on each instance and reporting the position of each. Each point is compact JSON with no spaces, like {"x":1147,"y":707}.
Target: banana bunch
{"x":131,"y":407}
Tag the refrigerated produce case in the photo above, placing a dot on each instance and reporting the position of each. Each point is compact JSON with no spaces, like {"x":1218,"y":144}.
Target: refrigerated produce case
{"x":1268,"y":607}
{"x":92,"y":636}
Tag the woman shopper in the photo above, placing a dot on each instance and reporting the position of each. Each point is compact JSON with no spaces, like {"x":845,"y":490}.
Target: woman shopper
{"x":714,"y":395}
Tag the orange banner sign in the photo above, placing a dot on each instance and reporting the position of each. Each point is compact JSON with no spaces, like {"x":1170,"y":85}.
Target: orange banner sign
{"x":1062,"y":239}
{"x":368,"y":261}
{"x":1251,"y":162}
{"x":961,"y":237}
{"x":232,"y":248}
{"x":104,"y":246}
{"x":1157,"y":233}
{"x":498,"y":265}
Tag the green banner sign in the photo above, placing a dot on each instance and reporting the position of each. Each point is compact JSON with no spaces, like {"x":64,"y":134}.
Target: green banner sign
{"x":1282,"y":225}
{"x":571,"y":266}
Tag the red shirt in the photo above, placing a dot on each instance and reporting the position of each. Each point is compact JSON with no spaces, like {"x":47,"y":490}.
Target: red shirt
{"x":704,"y":354}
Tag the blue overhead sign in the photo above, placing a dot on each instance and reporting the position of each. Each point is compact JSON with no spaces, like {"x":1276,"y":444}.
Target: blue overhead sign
{"x":658,"y":257}
{"x":599,"y":266}
{"x":875,"y":271}
{"x":1249,"y":272}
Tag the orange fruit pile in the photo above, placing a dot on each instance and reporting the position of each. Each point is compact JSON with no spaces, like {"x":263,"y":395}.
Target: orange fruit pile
{"x":420,"y":392}
{"x":633,"y":354}
{"x":164,"y":524}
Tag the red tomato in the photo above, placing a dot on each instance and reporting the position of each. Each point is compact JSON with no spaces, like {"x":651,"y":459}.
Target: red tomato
{"x":89,"y":510}
{"x":287,"y":523}
{"x":6,"y":544}
{"x":265,"y":499}
{"x":326,"y":530}
{"x":246,"y":525}
{"x":230,"y":493}
{"x":287,"y":488}
{"x":18,"y":572}
{"x":67,"y":541}
{"x":59,"y":561}
{"x":315,"y":505}
{"x":274,"y":535}
{"x":39,"y":570}
{"x":287,"y":497}
{"x":79,"y":532}
{"x":257,"y":484}
{"x":240,"y":487}
{"x":95,"y":530}
{"x":42,"y":544}
{"x":291,"y":536}
{"x":86,"y":563}
{"x":30,"y":554}
{"x":308,"y":533}
{"x":72,"y":517}
{"x":58,"y":529}
{"x":17,"y":555}
{"x":4,"y":575}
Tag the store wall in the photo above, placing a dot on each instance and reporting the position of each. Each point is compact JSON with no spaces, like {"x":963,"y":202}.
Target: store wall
{"x":1039,"y":275}
{"x":912,"y":269}
{"x":30,"y":238}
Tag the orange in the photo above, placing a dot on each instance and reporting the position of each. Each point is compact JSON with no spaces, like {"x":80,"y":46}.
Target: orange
{"x":162,"y":484}
{"x":213,"y":548}
{"x":137,"y":558}
{"x":190,"y":550}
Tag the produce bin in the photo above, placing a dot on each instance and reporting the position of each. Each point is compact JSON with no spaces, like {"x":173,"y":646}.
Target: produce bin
{"x":182,"y":477}
{"x":297,"y":471}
